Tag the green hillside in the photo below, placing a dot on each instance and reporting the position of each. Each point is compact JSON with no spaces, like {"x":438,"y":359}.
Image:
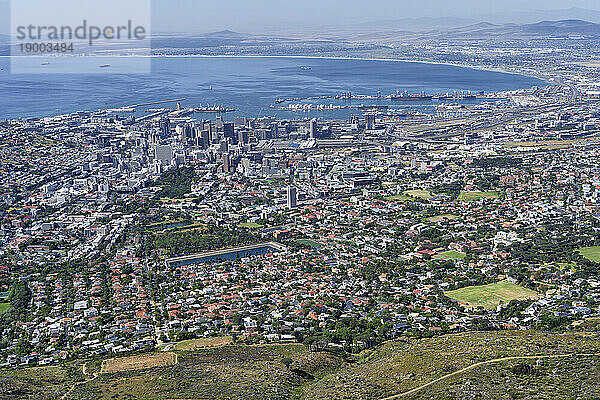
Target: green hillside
{"x":486,"y":365}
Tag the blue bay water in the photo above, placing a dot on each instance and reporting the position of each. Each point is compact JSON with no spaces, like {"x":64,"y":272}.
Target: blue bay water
{"x":249,"y":84}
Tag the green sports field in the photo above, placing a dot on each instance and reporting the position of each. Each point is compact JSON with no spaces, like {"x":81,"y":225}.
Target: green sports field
{"x":421,"y":194}
{"x":398,"y":197}
{"x":591,"y":253}
{"x":489,"y":296}
{"x":308,"y":242}
{"x":4,"y":307}
{"x":474,"y":196}
{"x":250,"y":225}
{"x":450,"y":255}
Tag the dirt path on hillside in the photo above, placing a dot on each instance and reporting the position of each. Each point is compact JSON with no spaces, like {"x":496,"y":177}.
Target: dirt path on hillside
{"x":496,"y":360}
{"x":84,"y":370}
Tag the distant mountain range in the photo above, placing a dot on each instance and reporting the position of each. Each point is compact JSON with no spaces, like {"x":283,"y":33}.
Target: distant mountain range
{"x":564,"y":27}
{"x":416,"y":24}
{"x":561,"y":28}
{"x":387,"y":31}
{"x":427,"y":24}
{"x":531,"y":17}
{"x":571,"y":27}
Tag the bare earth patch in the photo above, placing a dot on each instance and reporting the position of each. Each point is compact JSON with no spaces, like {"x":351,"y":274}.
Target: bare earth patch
{"x":134,"y":363}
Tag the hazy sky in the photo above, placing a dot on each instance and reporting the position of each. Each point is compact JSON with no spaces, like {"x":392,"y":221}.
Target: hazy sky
{"x":250,"y":15}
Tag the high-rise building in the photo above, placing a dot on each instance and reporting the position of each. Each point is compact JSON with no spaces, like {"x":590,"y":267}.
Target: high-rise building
{"x":292,"y":197}
{"x":164,"y":127}
{"x":370,"y":121}
{"x":242,"y":137}
{"x":226,"y":163}
{"x":229,"y":132}
{"x":204,"y":140}
{"x":163,"y":154}
{"x":312,"y":128}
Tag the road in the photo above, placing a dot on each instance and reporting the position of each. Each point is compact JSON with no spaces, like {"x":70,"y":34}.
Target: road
{"x":470,"y":367}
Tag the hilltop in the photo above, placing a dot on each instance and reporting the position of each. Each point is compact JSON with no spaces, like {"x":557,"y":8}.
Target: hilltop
{"x":509,"y":364}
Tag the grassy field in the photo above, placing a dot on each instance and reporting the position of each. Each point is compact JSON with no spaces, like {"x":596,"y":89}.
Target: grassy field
{"x":143,"y":361}
{"x":440,"y":218}
{"x":195,"y":344}
{"x":308,"y":242}
{"x":591,"y":253}
{"x":450,"y":255}
{"x":474,"y":196}
{"x":420,"y":194}
{"x":4,"y":307}
{"x":489,"y":296}
{"x":398,"y":197}
{"x":250,"y":225}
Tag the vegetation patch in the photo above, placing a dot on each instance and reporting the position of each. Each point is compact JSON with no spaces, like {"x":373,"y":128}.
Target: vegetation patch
{"x":420,"y":194}
{"x":489,"y":296}
{"x":250,"y":225}
{"x":450,"y":255}
{"x":591,"y":253}
{"x":474,"y":196}
{"x":308,"y":242}
{"x":440,"y":218}
{"x":398,"y":197}
{"x":4,"y":307}
{"x":195,"y":344}
{"x":35,"y":383}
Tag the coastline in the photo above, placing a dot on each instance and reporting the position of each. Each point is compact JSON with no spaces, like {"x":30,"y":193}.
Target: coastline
{"x":293,"y":60}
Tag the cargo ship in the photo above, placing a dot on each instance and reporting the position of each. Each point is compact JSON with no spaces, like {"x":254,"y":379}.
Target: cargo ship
{"x":215,"y":109}
{"x":461,"y":96}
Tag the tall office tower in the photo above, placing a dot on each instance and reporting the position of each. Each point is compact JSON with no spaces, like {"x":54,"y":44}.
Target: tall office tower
{"x":179,"y":131}
{"x":197,"y":135}
{"x":226,"y":163}
{"x":219,"y":123}
{"x":204,"y":139}
{"x":292,"y":197}
{"x":164,"y":127}
{"x":163,"y":154}
{"x":370,"y":121}
{"x":188,"y":132}
{"x":229,"y":132}
{"x":312,"y":129}
{"x":243,"y":137}
{"x":224,"y":147}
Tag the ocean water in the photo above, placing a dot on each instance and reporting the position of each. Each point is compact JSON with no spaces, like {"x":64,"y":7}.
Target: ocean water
{"x":249,"y":84}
